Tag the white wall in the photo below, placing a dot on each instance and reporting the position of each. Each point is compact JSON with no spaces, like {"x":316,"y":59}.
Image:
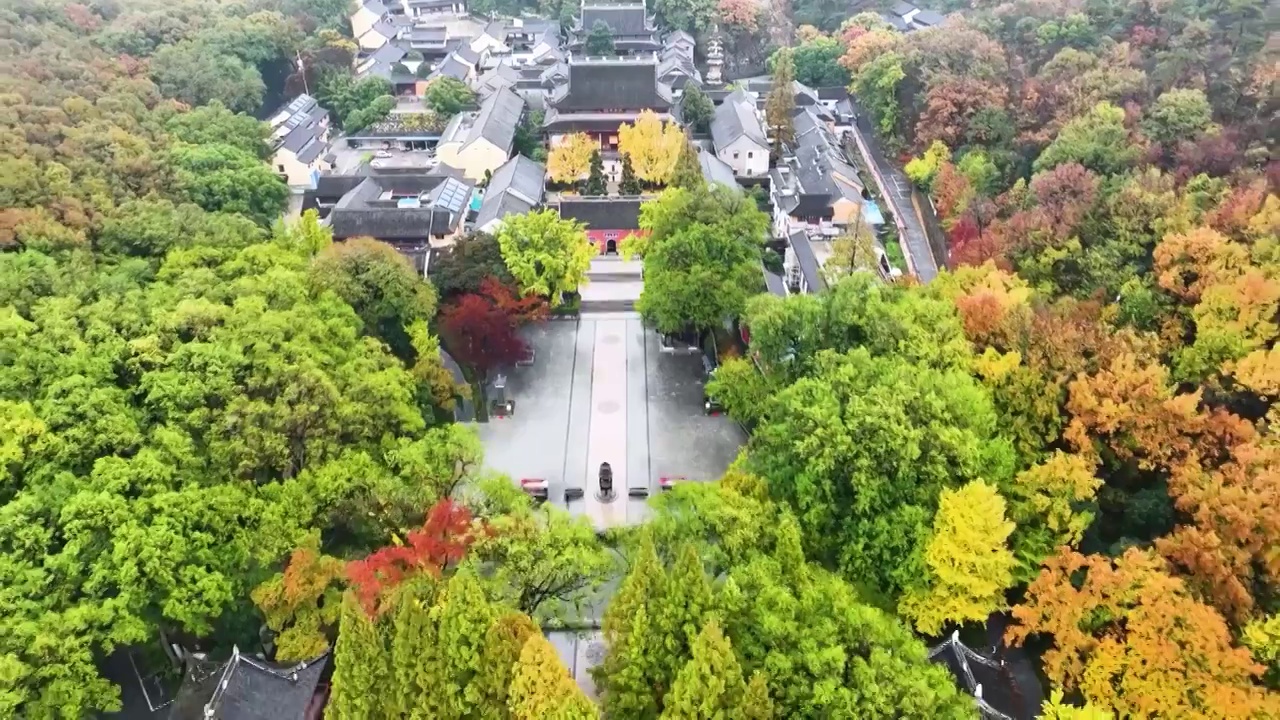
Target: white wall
{"x":297,"y":174}
{"x":752,"y":159}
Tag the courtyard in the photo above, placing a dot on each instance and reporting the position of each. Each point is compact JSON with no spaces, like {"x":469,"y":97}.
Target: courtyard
{"x":600,"y":390}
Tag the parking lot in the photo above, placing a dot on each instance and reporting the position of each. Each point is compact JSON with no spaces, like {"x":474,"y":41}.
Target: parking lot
{"x":601,"y":391}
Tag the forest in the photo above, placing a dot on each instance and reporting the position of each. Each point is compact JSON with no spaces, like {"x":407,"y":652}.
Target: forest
{"x":217,"y":429}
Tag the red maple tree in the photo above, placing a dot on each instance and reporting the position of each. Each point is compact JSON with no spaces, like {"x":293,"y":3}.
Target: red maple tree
{"x":480,"y":328}
{"x":442,"y":542}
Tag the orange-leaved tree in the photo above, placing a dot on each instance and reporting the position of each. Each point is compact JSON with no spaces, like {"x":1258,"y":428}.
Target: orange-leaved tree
{"x":1131,"y":638}
{"x":441,"y":543}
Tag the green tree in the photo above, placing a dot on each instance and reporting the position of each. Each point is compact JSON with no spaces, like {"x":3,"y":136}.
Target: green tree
{"x":222,"y":178}
{"x":1097,"y":140}
{"x":817,"y":62}
{"x":503,"y":643}
{"x":546,"y":255}
{"x":541,"y":687}
{"x":544,"y":562}
{"x":692,"y":16}
{"x":595,"y":177}
{"x":865,"y":507}
{"x":447,"y":96}
{"x":599,"y":40}
{"x":361,"y":669}
{"x":924,"y":169}
{"x":710,"y":685}
{"x":463,"y":267}
{"x":1178,"y":115}
{"x":198,"y":73}
{"x":696,"y":109}
{"x":780,"y":105}
{"x":454,"y":683}
{"x":970,"y":564}
{"x":628,"y":184}
{"x":697,"y":278}
{"x":356,"y":104}
{"x":381,"y":285}
{"x":876,"y":86}
{"x":702,"y":256}
{"x":756,"y":703}
{"x":214,"y":124}
{"x":681,"y":616}
{"x":688,"y":172}
{"x":629,"y":673}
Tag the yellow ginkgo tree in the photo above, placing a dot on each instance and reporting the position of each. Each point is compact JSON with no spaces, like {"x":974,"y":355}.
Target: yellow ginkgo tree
{"x":970,"y":564}
{"x":570,"y":159}
{"x":653,"y":145}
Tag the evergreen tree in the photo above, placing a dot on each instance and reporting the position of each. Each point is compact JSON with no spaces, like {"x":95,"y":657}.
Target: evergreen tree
{"x":630,"y":184}
{"x":710,"y":685}
{"x":595,"y":178}
{"x":629,"y":673}
{"x":681,"y":615}
{"x":541,"y":688}
{"x":696,"y":109}
{"x":361,"y":675}
{"x":688,"y":172}
{"x":756,"y":703}
{"x":600,"y":39}
{"x":503,"y":643}
{"x":789,"y":553}
{"x":780,"y":106}
{"x":413,"y":644}
{"x":463,"y":614}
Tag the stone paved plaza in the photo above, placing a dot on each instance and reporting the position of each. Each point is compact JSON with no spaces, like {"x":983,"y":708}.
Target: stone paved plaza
{"x":600,"y":390}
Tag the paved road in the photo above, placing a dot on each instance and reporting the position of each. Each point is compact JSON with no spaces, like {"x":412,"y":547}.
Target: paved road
{"x":897,"y":192}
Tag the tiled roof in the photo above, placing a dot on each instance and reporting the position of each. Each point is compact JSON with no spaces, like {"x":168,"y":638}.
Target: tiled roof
{"x":515,"y":188}
{"x":496,"y":120}
{"x":734,"y":118}
{"x":246,"y":688}
{"x":621,"y":19}
{"x":809,"y":267}
{"x":603,"y":213}
{"x":401,"y":207}
{"x":615,"y":83}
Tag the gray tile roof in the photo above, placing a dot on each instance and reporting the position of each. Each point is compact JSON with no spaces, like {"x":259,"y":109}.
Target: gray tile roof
{"x":452,"y":67}
{"x":302,"y":127}
{"x":716,"y":170}
{"x":927,"y":18}
{"x":515,"y":188}
{"x":467,"y":55}
{"x":734,"y":118}
{"x":501,"y":76}
{"x":389,"y":54}
{"x":615,"y":83}
{"x":497,"y":119}
{"x":901,"y":8}
{"x":603,"y":213}
{"x":773,"y":282}
{"x":623,"y":20}
{"x":376,"y":7}
{"x":809,"y":267}
{"x":402,"y":207}
{"x":246,"y":688}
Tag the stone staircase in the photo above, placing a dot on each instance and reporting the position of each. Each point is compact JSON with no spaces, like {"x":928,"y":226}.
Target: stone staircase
{"x":613,"y":286}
